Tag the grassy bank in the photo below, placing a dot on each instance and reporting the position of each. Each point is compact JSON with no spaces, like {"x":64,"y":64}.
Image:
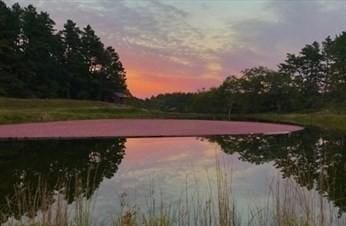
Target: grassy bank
{"x":38,"y":110}
{"x":41,"y":110}
{"x":327,"y":119}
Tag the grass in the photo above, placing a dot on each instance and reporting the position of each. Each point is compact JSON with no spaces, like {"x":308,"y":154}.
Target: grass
{"x":324,"y":119}
{"x":40,"y":110}
{"x":288,"y":204}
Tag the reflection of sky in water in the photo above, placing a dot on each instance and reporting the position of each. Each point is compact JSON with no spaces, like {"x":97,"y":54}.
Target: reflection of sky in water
{"x":105,"y":169}
{"x":170,"y":166}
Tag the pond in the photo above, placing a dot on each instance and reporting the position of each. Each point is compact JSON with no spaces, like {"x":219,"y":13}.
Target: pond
{"x":187,"y":181}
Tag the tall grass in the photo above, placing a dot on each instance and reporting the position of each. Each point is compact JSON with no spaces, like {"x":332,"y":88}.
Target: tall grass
{"x":292,"y":205}
{"x":287,"y":204}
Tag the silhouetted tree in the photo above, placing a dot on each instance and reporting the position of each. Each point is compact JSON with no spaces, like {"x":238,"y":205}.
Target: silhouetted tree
{"x":37,"y":61}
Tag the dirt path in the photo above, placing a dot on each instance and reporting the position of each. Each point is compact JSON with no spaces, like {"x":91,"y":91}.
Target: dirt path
{"x":138,"y":128}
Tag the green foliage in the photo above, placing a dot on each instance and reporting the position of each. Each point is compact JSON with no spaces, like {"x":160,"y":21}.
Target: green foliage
{"x":179,"y":102}
{"x":38,"y":62}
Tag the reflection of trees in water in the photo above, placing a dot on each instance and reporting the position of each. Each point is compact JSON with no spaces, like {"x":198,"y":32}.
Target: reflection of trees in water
{"x":314,"y":158}
{"x":55,"y":165}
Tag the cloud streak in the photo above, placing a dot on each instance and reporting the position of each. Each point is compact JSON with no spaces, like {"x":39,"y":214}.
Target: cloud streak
{"x":189,"y":45}
{"x":294,"y":24}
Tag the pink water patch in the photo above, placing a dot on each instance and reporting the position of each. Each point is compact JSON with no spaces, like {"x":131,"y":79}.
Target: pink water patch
{"x":138,"y":128}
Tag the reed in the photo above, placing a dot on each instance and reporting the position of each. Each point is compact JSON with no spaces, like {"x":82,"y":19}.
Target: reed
{"x":288,"y":204}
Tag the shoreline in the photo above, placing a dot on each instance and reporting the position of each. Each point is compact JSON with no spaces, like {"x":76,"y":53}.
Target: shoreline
{"x":111,"y":128}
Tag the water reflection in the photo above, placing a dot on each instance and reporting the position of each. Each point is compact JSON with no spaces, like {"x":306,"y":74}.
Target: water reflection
{"x":316,"y":159}
{"x":54,"y":165}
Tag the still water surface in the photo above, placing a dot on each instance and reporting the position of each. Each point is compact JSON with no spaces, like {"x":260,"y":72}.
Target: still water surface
{"x":170,"y":168}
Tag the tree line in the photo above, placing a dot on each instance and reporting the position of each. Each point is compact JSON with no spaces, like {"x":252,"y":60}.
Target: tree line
{"x":314,"y":77}
{"x":37,"y":61}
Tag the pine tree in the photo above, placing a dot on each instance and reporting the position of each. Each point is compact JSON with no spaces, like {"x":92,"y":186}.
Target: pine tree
{"x":37,"y":61}
{"x":10,"y":82}
{"x":76,"y":68}
{"x":40,"y":48}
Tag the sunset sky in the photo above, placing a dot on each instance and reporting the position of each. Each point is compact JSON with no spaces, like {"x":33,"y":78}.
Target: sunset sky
{"x":186,"y":45}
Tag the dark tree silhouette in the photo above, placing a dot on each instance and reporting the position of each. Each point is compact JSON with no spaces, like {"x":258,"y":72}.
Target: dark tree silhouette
{"x":37,"y":61}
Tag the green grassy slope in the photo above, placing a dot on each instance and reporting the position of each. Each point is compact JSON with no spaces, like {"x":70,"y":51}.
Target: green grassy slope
{"x":34,"y":110}
{"x":39,"y":110}
{"x":323,"y":119}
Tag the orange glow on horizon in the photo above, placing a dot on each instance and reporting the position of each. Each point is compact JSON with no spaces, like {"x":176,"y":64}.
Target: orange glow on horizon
{"x":142,"y":85}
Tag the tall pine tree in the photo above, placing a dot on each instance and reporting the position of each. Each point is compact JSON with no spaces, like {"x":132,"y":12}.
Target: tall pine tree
{"x":37,"y":61}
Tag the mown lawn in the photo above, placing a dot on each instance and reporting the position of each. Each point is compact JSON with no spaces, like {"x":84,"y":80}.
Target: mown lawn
{"x":35,"y":110}
{"x":323,"y":119}
{"x":38,"y":110}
